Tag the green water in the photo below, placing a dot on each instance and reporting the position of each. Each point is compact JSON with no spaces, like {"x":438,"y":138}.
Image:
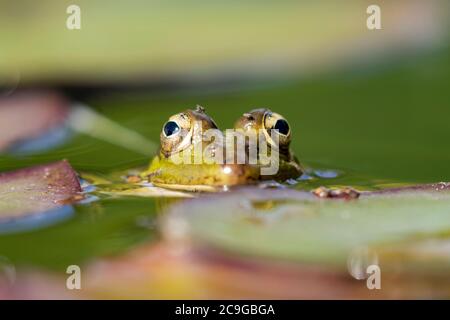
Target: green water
{"x":374,"y":126}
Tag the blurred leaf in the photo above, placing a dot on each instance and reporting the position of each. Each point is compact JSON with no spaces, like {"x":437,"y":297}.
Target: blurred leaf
{"x":279,"y":225}
{"x":160,"y":40}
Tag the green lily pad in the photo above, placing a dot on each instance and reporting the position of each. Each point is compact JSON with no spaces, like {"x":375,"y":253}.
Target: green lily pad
{"x":294,"y":226}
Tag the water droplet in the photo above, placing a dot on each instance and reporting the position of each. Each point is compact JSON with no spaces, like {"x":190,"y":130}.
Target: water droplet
{"x":326,"y":174}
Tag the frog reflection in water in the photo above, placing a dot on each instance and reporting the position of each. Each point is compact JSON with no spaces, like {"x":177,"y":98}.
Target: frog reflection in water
{"x":184,"y":133}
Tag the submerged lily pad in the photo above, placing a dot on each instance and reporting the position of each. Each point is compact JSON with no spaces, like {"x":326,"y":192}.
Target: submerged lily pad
{"x":36,"y":192}
{"x":293,"y":226}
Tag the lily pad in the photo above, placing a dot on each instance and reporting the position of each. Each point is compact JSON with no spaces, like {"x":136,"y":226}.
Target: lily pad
{"x":36,"y":193}
{"x":293,"y":226}
{"x":31,"y":121}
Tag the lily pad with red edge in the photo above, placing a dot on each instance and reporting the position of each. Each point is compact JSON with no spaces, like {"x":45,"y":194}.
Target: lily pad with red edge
{"x":32,"y":121}
{"x":38,"y":195}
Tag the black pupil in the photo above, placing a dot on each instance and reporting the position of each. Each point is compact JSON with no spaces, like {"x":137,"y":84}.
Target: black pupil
{"x":282,"y":126}
{"x":171,"y":128}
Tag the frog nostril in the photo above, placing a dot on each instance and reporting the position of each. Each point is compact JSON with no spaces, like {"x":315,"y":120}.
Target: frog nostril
{"x":171,"y":128}
{"x":282,"y":126}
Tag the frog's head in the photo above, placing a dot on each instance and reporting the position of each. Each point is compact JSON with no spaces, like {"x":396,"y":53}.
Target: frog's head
{"x":184,"y":129}
{"x":267,"y":121}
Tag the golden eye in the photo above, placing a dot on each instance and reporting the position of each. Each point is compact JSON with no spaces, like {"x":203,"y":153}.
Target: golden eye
{"x":176,"y":134}
{"x":183,"y":130}
{"x":275,"y":121}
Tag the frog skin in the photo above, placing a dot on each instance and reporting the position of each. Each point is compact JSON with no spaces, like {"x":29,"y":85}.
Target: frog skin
{"x":184,"y":132}
{"x":181,"y":133}
{"x":267,"y":121}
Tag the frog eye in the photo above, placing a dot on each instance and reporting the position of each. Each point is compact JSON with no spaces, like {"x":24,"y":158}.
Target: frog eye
{"x":273,"y":120}
{"x":282,"y":126}
{"x":277,"y":123}
{"x":171,"y":128}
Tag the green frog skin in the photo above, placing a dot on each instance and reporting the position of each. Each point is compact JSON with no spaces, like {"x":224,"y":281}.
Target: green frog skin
{"x":183,"y":133}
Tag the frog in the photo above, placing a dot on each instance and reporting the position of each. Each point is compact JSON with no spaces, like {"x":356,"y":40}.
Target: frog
{"x":184,"y":132}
